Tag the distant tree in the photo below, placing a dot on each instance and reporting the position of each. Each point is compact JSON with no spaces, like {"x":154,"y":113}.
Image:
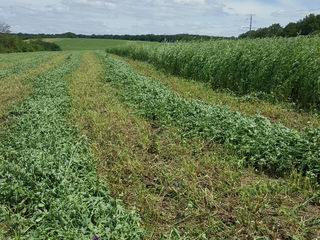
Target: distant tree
{"x":309,"y":24}
{"x":4,"y":28}
{"x":315,"y":33}
{"x":306,"y":26}
{"x":274,"y":30}
{"x":69,"y":35}
{"x":147,"y":37}
{"x":291,"y":30}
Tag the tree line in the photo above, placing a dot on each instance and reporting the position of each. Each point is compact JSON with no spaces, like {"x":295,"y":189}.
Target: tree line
{"x":15,"y":42}
{"x":146,"y":37}
{"x":12,"y":43}
{"x":310,"y":25}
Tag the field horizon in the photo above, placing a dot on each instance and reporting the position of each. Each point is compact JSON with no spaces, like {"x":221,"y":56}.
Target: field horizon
{"x":76,"y":44}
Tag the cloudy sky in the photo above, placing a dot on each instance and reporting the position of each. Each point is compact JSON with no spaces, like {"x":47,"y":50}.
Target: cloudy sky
{"x":210,"y":17}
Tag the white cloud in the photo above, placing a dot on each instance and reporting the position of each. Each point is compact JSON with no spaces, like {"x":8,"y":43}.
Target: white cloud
{"x":96,"y":3}
{"x":6,"y":14}
{"x":190,"y":1}
{"x":249,"y":7}
{"x":212,"y":17}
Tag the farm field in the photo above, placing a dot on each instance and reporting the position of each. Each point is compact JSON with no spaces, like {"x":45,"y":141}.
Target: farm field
{"x":282,"y":69}
{"x":89,"y":44}
{"x":102,"y":146}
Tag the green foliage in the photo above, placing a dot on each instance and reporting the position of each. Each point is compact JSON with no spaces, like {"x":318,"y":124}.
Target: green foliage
{"x":146,"y":37}
{"x":285,"y":68}
{"x":16,"y":57}
{"x":306,"y":26}
{"x":291,"y":30}
{"x":11,"y":43}
{"x":40,"y":45}
{"x":274,"y":30}
{"x":87,"y":44}
{"x":272,"y":148}
{"x":36,"y":60}
{"x":49,"y":187}
{"x":309,"y":24}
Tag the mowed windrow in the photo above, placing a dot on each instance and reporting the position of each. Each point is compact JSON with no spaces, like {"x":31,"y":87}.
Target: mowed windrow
{"x":161,"y":140}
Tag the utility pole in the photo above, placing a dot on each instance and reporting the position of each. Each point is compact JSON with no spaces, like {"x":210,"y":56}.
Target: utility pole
{"x":250,"y":22}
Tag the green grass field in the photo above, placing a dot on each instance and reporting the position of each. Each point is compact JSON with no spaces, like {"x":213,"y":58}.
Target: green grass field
{"x":88,"y":44}
{"x":101,"y":146}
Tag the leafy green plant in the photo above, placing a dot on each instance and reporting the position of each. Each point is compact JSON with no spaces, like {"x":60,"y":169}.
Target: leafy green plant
{"x":26,"y":65}
{"x":269,"y":147}
{"x":49,"y":187}
{"x":10,"y":43}
{"x":286,"y":68}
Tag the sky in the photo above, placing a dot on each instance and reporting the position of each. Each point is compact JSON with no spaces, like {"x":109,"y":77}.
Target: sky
{"x":207,"y":17}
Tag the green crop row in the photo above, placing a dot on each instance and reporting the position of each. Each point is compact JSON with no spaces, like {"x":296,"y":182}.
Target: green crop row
{"x":49,"y":186}
{"x":14,"y":57}
{"x":272,"y":148}
{"x":26,"y":65}
{"x":286,"y":69}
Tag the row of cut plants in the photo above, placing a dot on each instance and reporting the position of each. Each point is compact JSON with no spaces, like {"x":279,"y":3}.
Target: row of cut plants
{"x":20,"y":67}
{"x":274,"y":68}
{"x":272,"y":148}
{"x":49,"y":186}
{"x":13,"y":57}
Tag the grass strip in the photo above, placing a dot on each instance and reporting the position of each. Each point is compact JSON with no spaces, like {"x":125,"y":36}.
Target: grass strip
{"x":284,"y":69}
{"x":184,"y":188}
{"x":285,"y":114}
{"x":7,"y":58}
{"x":25,"y":65}
{"x":49,"y":187}
{"x":9,"y":64}
{"x":269,"y":147}
{"x":16,"y":86}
